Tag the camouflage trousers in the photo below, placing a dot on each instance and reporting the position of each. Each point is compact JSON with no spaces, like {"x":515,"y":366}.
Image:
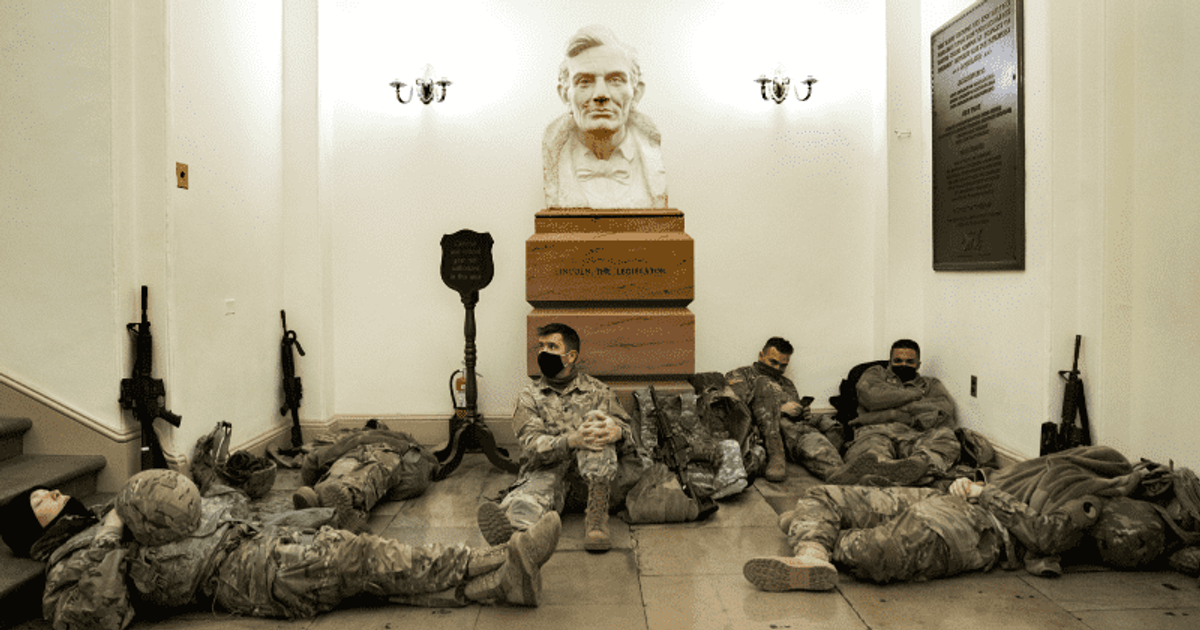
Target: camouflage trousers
{"x":803,"y":443}
{"x":539,"y":491}
{"x":894,"y":440}
{"x":368,"y":472}
{"x":891,"y":534}
{"x":289,"y":572}
{"x":810,"y":448}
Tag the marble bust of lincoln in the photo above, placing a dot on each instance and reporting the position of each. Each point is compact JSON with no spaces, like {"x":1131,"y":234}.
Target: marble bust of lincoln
{"x":602,"y":153}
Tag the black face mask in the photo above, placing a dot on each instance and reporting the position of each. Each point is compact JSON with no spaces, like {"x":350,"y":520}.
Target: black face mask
{"x":550,"y":364}
{"x":763,"y":368}
{"x":905,"y":373}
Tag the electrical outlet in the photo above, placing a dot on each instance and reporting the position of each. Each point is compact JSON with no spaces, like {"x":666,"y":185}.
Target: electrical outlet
{"x":181,"y":175}
{"x":974,"y":386}
{"x":230,"y":307}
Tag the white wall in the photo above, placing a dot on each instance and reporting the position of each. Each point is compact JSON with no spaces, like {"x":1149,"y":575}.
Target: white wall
{"x":1164,"y":213}
{"x":225,"y":232}
{"x":56,"y":203}
{"x":780,"y":199}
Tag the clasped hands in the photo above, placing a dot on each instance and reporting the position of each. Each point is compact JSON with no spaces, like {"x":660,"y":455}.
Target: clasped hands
{"x":597,"y":430}
{"x":965,"y":488}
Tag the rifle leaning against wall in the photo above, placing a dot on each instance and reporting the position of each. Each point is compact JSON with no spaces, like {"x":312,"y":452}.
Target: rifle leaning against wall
{"x":143,"y":394}
{"x":292,"y":390}
{"x":676,"y":451}
{"x":1066,"y":434}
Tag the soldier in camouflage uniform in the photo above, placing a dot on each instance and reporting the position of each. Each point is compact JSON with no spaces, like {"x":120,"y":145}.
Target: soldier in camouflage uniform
{"x":573,"y":432}
{"x":362,"y":468}
{"x":905,"y":423}
{"x":787,"y":428}
{"x":899,"y":533}
{"x":284,"y":568}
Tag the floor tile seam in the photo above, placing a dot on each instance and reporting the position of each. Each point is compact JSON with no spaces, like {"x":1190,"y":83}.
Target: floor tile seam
{"x":853,"y":609}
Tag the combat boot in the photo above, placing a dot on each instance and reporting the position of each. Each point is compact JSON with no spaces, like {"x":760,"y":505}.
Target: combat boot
{"x":809,"y":570}
{"x":493,"y":523}
{"x":900,"y":472}
{"x":776,"y":456}
{"x":336,"y":495}
{"x":305,"y":498}
{"x":595,"y":520}
{"x":519,"y":580}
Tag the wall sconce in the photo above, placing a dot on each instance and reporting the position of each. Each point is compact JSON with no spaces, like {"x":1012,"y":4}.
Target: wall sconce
{"x":776,"y":88}
{"x":427,"y":89}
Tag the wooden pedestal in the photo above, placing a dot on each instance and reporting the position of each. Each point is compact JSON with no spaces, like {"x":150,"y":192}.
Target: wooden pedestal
{"x":623,"y":279}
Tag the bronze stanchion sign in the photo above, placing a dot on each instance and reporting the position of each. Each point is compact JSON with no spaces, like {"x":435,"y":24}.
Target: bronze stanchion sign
{"x":467,"y":268}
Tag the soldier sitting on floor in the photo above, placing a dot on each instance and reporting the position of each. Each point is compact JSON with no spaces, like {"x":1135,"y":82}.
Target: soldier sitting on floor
{"x":905,"y":425}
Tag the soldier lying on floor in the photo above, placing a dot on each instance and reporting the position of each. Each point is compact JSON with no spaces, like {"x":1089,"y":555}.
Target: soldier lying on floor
{"x":362,"y":468}
{"x":186,"y":550}
{"x":899,"y":533}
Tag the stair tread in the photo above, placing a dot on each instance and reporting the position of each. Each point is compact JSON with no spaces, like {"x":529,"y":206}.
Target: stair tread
{"x":17,"y":572}
{"x":24,"y":471}
{"x":10,"y":426}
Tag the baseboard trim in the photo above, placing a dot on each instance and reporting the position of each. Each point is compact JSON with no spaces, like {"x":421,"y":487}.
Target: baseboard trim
{"x":428,"y":429}
{"x":1006,"y":455}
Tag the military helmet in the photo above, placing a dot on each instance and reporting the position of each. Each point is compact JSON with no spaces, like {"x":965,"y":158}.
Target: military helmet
{"x":1130,"y":533}
{"x":159,"y":506}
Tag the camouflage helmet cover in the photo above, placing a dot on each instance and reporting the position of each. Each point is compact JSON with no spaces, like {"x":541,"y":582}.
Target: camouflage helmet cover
{"x":159,"y":506}
{"x":1129,"y":533}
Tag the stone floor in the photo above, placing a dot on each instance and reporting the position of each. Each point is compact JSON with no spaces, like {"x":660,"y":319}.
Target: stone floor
{"x":668,"y":577}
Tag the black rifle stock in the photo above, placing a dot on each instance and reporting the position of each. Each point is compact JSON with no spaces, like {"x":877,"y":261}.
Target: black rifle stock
{"x":292,"y":390}
{"x":676,"y":452}
{"x":142,"y":393}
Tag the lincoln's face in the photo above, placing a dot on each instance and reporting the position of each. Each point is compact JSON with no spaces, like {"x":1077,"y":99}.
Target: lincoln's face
{"x":600,"y":90}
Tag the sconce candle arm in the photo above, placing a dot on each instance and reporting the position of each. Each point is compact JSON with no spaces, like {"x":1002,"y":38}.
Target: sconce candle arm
{"x":809,"y":82}
{"x":397,"y":84}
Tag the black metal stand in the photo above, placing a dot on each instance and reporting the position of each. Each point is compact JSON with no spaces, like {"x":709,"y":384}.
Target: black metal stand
{"x":469,"y":431}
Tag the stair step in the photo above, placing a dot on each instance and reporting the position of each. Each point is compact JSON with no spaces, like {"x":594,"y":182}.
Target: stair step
{"x":12,"y":436}
{"x":73,"y":474}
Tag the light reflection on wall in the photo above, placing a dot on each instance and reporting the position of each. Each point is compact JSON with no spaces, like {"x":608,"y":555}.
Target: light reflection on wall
{"x":366,"y":45}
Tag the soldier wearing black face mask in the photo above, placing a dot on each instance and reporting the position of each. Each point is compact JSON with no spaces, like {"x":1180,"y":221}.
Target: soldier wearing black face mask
{"x":575,"y":438}
{"x":905,"y":424}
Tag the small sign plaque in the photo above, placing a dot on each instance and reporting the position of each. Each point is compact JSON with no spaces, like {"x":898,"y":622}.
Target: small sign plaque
{"x":467,"y":260}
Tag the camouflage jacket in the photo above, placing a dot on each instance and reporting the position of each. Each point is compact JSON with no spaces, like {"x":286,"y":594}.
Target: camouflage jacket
{"x":745,"y":379}
{"x":922,"y":403}
{"x":546,"y":415}
{"x":1046,"y":534}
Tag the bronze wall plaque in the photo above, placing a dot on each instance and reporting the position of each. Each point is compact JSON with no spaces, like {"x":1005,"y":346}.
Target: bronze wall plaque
{"x":978,"y":139}
{"x":467,"y":260}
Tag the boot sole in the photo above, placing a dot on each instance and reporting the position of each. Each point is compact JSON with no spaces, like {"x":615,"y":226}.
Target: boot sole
{"x":597,"y":545}
{"x":493,"y":524}
{"x":903,"y":472}
{"x":789,"y":574}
